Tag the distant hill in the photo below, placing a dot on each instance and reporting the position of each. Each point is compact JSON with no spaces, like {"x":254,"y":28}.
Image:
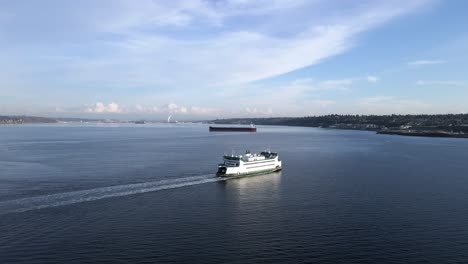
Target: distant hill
{"x":449,"y":123}
{"x":74,"y":119}
{"x":25,"y":119}
{"x":37,"y":119}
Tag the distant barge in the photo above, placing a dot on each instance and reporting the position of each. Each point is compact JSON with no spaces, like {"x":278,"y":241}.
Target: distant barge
{"x":250,"y":128}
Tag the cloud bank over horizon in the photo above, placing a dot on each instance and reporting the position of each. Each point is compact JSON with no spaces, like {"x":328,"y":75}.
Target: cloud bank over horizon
{"x":214,"y":58}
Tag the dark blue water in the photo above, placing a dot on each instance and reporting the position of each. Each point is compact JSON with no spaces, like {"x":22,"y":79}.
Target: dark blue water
{"x":147,"y":194}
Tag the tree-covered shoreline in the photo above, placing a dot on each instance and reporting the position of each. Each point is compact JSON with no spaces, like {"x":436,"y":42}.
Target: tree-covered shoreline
{"x":446,"y":123}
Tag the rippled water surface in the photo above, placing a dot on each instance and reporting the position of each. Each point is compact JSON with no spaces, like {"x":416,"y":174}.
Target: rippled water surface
{"x":72,"y":193}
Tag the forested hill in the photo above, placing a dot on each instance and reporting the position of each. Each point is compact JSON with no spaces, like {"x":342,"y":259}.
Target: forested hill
{"x":452,"y":122}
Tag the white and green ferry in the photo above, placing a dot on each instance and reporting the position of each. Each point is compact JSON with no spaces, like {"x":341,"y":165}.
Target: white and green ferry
{"x":248,"y":164}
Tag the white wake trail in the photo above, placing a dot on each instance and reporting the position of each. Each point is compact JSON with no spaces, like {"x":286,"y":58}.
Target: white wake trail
{"x":67,"y":198}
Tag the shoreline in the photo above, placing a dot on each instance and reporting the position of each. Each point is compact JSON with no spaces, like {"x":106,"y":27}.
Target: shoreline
{"x":423,"y":133}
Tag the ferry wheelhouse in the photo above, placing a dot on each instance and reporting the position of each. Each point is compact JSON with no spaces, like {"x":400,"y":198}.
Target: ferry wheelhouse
{"x":248,"y":164}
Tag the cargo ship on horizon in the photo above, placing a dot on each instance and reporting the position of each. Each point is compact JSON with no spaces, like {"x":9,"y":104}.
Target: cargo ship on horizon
{"x":250,"y":128}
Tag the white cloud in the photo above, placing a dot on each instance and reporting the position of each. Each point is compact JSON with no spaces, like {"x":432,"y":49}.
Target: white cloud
{"x":425,"y":62}
{"x":100,"y":107}
{"x":372,"y":79}
{"x":183,"y":109}
{"x":170,"y":108}
{"x":173,"y":108}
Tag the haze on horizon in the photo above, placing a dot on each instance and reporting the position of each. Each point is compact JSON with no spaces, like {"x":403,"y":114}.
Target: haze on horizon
{"x":232,"y":58}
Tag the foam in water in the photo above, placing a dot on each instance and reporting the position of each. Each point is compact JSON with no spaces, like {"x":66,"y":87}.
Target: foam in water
{"x":61,"y":199}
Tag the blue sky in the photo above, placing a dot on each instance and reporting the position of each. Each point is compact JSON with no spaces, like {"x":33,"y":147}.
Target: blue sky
{"x":233,"y":58}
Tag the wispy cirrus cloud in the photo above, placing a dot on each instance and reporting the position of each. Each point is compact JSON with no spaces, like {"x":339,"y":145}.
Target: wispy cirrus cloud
{"x":310,"y":84}
{"x":341,"y":84}
{"x":151,"y":47}
{"x":425,"y":62}
{"x":151,"y":37}
{"x":242,"y":55}
{"x":126,"y":16}
{"x":442,"y":83}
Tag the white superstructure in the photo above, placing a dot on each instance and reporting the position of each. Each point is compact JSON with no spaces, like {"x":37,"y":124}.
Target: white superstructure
{"x":237,"y":165}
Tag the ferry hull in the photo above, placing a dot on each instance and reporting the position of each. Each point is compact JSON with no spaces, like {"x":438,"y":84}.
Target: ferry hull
{"x":251,"y":173}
